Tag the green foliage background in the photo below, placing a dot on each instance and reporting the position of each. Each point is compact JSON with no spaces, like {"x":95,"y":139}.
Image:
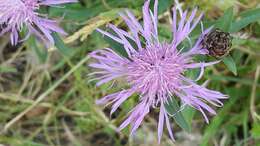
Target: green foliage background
{"x":46,"y":98}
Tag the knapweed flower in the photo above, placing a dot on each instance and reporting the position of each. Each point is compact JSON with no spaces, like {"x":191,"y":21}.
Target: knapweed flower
{"x":15,"y":14}
{"x":154,"y":70}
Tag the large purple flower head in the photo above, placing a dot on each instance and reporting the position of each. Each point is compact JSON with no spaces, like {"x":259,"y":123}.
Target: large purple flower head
{"x":15,"y":14}
{"x":154,"y":70}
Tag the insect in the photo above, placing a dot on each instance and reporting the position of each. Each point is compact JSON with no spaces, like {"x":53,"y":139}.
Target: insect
{"x":218,"y":43}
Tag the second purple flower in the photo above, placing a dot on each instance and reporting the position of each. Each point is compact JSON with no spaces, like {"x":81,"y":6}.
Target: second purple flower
{"x":17,"y":14}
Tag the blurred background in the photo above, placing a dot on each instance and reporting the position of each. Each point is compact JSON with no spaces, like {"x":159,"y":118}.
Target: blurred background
{"x":46,"y":98}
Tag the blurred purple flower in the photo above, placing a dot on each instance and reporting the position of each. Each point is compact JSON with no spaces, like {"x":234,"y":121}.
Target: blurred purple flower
{"x":15,"y":14}
{"x":154,"y":70}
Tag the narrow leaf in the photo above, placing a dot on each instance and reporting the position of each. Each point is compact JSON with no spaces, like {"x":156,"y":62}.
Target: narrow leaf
{"x":250,"y":12}
{"x":164,"y":5}
{"x":173,"y":108}
{"x":38,"y":49}
{"x":93,"y":23}
{"x":188,"y":113}
{"x":230,"y":63}
{"x":61,"y":46}
{"x":247,"y":18}
{"x":119,"y":48}
{"x":7,"y":69}
{"x":225,"y":22}
{"x":256,"y":130}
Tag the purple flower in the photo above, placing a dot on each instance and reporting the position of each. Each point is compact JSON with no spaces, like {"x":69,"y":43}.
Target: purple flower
{"x":15,"y":14}
{"x":154,"y":70}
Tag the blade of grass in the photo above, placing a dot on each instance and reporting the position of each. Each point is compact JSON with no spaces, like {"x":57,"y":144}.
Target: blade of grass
{"x":253,"y":95}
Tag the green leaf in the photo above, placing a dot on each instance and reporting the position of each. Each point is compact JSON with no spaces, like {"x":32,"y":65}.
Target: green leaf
{"x":250,"y":12}
{"x":7,"y":69}
{"x":68,"y":52}
{"x":38,"y":49}
{"x":256,"y":130}
{"x":245,"y":124}
{"x":164,"y":5}
{"x":243,"y":81}
{"x":247,"y":18}
{"x":230,"y":63}
{"x":188,"y":113}
{"x":173,"y":108}
{"x":225,"y":22}
{"x":81,"y":13}
{"x":117,"y":47}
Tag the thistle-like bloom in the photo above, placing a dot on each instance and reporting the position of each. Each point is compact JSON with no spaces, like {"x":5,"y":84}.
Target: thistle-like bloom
{"x":154,"y":70}
{"x":15,"y":14}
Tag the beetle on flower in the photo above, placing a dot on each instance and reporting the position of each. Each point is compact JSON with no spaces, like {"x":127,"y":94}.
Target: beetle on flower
{"x":154,"y":70}
{"x":15,"y":14}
